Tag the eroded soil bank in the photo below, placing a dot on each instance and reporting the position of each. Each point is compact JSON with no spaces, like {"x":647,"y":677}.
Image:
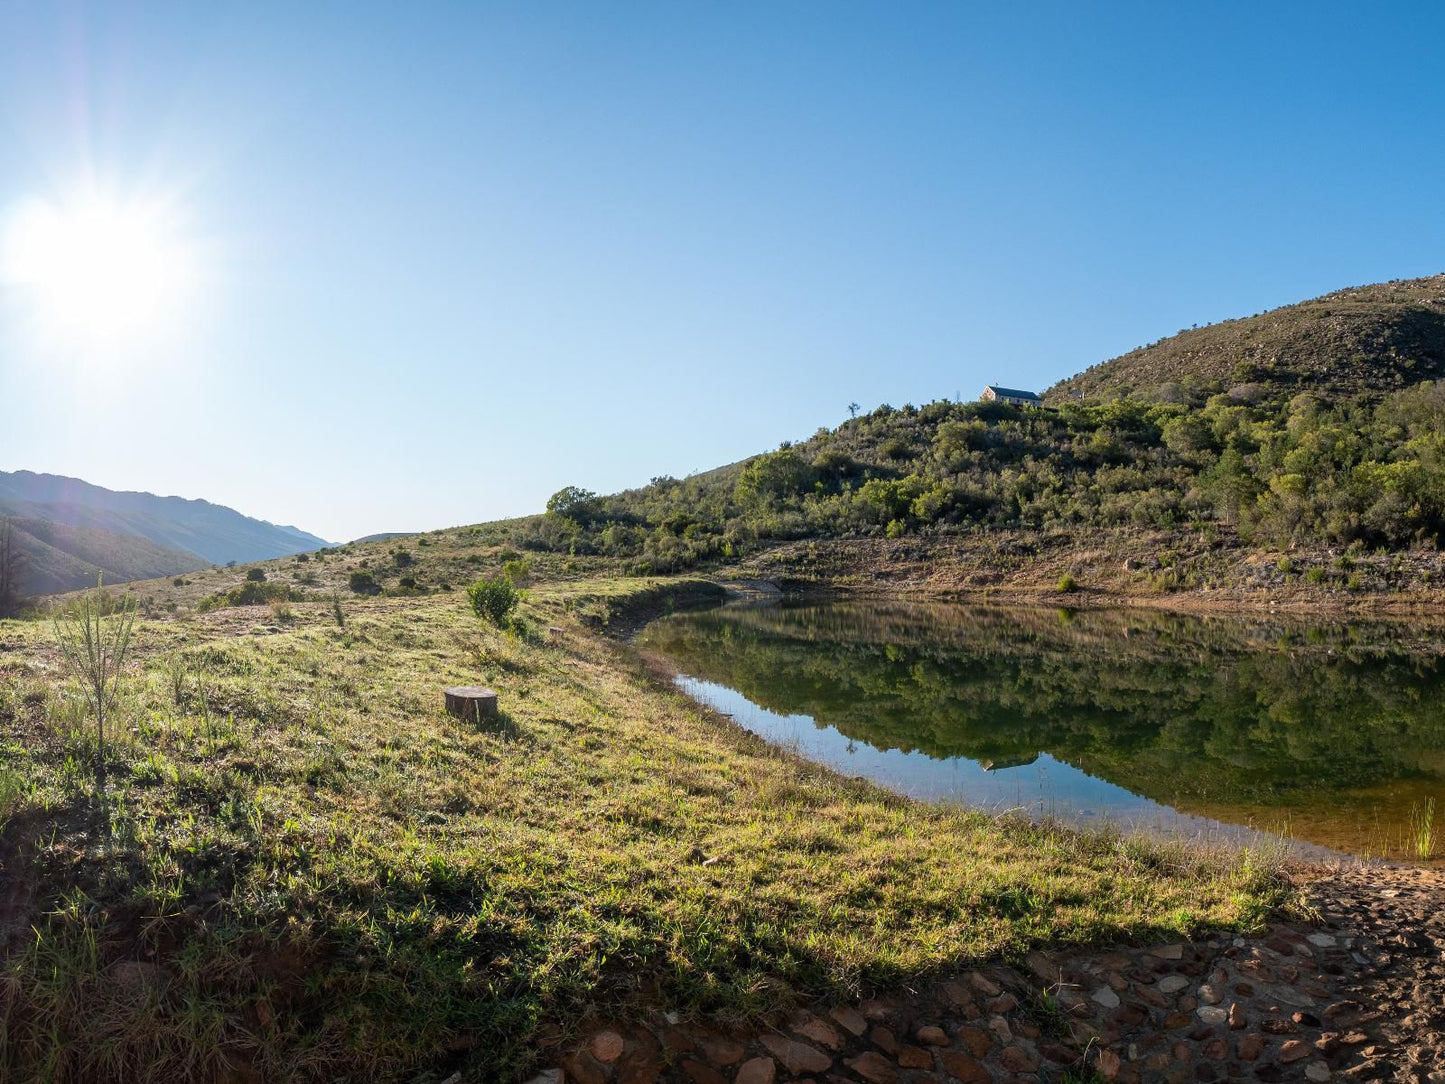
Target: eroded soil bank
{"x":1183,"y":569}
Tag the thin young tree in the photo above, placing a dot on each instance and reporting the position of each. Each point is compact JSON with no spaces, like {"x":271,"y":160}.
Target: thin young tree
{"x":93,"y":644}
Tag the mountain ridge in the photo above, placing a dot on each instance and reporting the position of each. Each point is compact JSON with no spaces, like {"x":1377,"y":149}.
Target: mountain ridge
{"x":70,"y":531}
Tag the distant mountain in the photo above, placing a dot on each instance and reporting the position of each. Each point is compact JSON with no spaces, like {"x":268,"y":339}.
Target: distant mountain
{"x":1368,"y":340}
{"x":59,"y":557}
{"x":73,"y":529}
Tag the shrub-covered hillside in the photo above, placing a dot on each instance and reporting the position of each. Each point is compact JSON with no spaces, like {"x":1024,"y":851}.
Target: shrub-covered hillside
{"x":1278,"y":468}
{"x":1366,"y":340}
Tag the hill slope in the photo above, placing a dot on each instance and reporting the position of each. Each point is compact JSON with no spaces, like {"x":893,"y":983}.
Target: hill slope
{"x":60,"y":557}
{"x":210,"y":531}
{"x":1208,"y":428}
{"x":1362,"y":340}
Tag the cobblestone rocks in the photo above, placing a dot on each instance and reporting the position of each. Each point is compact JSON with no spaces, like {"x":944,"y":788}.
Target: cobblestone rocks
{"x":1358,"y":997}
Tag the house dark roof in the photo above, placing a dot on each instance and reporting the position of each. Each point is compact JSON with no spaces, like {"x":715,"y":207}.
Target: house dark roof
{"x":1012,"y":393}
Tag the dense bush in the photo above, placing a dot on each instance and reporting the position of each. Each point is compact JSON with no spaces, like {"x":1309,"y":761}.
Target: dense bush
{"x":1278,"y":468}
{"x":362,"y":583}
{"x":249,"y":593}
{"x":494,"y":599}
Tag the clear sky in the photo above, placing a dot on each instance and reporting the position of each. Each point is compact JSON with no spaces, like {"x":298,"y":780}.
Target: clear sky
{"x":404,"y":266}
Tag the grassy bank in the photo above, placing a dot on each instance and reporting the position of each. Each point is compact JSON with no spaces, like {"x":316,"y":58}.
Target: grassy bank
{"x":304,"y":869}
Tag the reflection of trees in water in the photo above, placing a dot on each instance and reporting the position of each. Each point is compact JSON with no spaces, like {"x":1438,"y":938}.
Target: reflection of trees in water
{"x":1169,"y":706}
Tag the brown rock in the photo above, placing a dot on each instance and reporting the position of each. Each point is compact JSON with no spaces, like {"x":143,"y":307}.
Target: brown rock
{"x":1250,"y":1046}
{"x":1344,"y":1013}
{"x":873,"y":1066}
{"x":702,"y":1073}
{"x":1016,"y":1059}
{"x":757,"y":1071}
{"x":639,"y":1068}
{"x":583,"y":1068}
{"x":1151,"y":997}
{"x":1215,"y":1049}
{"x":1109,"y":1064}
{"x":820,"y":1031}
{"x":915,"y":1057}
{"x":1131,"y":1015}
{"x":978,"y":1041}
{"x":607,"y":1046}
{"x":797,"y":1057}
{"x":1042,"y":966}
{"x":723,"y":1051}
{"x":883,"y":1039}
{"x":851,"y":1020}
{"x":676,"y":1041}
{"x":1059,"y":1053}
{"x":1294,"y":1050}
{"x":1237,"y":1018}
{"x":983,"y":984}
{"x":969,"y":1070}
{"x":1005,"y":1002}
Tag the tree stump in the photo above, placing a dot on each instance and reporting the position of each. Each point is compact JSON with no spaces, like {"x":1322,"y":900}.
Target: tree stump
{"x":473,"y":703}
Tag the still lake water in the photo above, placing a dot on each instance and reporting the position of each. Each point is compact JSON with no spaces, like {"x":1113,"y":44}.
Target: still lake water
{"x":1329,"y":733}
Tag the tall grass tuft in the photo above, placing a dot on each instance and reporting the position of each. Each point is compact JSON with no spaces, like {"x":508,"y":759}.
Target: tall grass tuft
{"x":1422,"y":828}
{"x":94,"y":634}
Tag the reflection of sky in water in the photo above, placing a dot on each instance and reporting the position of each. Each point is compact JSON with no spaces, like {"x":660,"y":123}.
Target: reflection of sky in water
{"x":1046,"y":786}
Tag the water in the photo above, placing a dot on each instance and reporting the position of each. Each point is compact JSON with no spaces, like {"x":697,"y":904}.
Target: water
{"x":1330,"y":734}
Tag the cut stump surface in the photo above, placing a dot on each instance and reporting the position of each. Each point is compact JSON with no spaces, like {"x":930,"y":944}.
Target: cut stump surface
{"x":472,"y":703}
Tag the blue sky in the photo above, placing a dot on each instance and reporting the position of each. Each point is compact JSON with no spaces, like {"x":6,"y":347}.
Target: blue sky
{"x":448,"y":259}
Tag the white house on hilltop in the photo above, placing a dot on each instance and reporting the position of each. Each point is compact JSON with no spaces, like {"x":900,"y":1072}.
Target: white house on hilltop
{"x":994,"y":394}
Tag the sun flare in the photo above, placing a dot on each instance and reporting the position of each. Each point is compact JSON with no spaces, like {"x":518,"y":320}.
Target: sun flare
{"x":96,"y":271}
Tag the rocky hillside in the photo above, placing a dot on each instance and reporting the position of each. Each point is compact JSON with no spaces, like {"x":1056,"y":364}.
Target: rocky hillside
{"x":1366,"y":340}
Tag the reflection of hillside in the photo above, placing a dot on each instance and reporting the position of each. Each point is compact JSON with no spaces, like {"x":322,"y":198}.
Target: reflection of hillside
{"x":1196,"y":712}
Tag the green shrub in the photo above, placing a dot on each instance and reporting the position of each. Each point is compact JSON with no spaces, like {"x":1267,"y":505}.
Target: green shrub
{"x":517,"y":571}
{"x":255,"y":575}
{"x":402,"y":558}
{"x":1315,"y":576}
{"x":1067,"y":584}
{"x":362,"y":583}
{"x":494,"y":599}
{"x":249,"y":593}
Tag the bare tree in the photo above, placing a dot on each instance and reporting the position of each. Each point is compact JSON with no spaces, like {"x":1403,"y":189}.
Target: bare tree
{"x":12,"y":566}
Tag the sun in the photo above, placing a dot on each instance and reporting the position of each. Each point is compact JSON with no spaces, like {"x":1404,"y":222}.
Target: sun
{"x":96,"y":271}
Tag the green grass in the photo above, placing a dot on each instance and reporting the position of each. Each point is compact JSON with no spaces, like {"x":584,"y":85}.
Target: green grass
{"x":1422,"y":829}
{"x":307,"y":870}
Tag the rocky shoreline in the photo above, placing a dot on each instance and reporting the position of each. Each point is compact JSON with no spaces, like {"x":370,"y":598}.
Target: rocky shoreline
{"x":1354,"y":990}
